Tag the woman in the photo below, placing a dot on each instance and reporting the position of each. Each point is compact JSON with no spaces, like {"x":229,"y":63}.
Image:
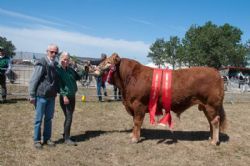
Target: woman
{"x":68,"y":88}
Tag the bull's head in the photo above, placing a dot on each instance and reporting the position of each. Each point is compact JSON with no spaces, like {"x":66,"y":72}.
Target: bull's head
{"x":114,"y":59}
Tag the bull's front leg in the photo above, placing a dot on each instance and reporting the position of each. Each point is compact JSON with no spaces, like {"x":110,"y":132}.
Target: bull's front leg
{"x":139,"y":113}
{"x":136,"y":133}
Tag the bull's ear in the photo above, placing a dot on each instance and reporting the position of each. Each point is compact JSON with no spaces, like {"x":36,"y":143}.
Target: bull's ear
{"x":116,"y":58}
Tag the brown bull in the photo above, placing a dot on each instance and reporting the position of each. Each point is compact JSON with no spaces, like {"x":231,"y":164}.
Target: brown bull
{"x":198,"y":85}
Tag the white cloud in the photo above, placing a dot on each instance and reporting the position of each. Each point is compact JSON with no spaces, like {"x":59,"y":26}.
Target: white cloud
{"x":140,"y":21}
{"x":36,"y":40}
{"x":26,"y":17}
{"x":39,"y":33}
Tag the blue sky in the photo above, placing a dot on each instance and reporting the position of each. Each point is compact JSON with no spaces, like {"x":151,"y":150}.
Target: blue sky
{"x":128,"y":27}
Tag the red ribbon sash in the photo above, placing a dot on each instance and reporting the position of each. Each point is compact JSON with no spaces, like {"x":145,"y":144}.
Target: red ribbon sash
{"x":110,"y":74}
{"x":164,"y":78}
{"x":154,"y":94}
{"x":166,"y":97}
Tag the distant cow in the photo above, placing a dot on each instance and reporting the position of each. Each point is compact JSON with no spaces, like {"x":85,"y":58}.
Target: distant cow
{"x":198,"y":85}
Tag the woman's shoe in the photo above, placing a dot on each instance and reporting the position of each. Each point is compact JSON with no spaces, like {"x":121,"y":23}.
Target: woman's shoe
{"x":70,"y":142}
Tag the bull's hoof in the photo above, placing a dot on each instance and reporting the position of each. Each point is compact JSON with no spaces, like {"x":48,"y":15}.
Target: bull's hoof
{"x":216,"y":143}
{"x":134,"y":140}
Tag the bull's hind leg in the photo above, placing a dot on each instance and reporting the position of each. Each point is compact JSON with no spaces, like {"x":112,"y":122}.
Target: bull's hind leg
{"x":202,"y":107}
{"x":214,"y":123}
{"x":216,"y":130}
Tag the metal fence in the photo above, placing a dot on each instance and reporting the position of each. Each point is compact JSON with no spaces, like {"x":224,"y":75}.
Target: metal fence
{"x":236,"y":85}
{"x":235,"y":90}
{"x":18,"y":87}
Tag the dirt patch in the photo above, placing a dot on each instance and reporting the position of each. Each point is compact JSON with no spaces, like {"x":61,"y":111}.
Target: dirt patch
{"x":102,"y":131}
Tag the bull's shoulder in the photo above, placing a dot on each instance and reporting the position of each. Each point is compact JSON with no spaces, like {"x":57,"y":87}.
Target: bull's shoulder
{"x":132,"y":66}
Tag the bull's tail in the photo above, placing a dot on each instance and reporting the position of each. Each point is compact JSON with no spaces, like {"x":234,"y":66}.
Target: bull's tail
{"x":222,"y":114}
{"x":223,"y":120}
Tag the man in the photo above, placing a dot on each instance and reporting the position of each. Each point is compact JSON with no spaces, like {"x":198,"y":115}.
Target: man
{"x":117,"y":96}
{"x":100,"y":81}
{"x":5,"y":68}
{"x":43,"y":89}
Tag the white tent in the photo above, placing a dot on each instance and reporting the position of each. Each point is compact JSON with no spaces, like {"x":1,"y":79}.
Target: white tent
{"x":165,"y":66}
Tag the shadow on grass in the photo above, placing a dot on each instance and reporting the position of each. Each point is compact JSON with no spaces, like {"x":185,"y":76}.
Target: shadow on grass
{"x":13,"y":101}
{"x":88,"y":135}
{"x":163,"y":136}
{"x":166,"y":136}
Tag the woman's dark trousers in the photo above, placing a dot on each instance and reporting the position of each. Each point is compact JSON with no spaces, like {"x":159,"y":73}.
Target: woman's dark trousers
{"x":68,"y":110}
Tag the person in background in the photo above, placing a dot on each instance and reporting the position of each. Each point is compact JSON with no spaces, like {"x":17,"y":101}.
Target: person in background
{"x":100,"y":81}
{"x":5,"y":68}
{"x":43,"y":88}
{"x":104,"y":79}
{"x":86,"y":69}
{"x":117,"y":95}
{"x":68,"y":88}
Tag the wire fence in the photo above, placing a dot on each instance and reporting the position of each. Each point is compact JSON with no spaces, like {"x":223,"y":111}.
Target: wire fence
{"x":235,"y":89}
{"x":17,"y":86}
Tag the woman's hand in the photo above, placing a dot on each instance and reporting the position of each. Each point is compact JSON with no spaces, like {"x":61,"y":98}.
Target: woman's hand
{"x":65,"y":100}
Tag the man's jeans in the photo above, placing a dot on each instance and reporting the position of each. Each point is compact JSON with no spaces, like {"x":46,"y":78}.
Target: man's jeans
{"x":98,"y":86}
{"x":44,"y":108}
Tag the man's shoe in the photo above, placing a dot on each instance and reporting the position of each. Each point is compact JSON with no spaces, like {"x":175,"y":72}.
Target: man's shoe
{"x":38,"y":145}
{"x":3,"y":100}
{"x":100,"y":99}
{"x":70,"y":142}
{"x":50,"y":143}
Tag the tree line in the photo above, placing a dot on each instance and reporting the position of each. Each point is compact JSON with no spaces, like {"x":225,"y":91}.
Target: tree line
{"x":207,"y":45}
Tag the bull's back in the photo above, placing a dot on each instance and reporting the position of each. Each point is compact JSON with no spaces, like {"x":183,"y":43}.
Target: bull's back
{"x":197,"y":84}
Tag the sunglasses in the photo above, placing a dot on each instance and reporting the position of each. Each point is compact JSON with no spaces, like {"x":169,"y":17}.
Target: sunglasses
{"x":53,"y":52}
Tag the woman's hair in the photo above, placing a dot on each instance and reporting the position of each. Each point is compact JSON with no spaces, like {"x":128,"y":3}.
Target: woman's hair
{"x":63,"y":55}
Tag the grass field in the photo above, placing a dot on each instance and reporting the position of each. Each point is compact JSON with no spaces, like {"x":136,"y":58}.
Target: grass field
{"x":102,"y":130}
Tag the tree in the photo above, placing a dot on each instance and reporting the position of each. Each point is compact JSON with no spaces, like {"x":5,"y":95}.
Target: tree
{"x":172,"y":47}
{"x":9,"y":48}
{"x":247,"y":46}
{"x":215,"y":46}
{"x":165,"y":51}
{"x":157,"y":52}
{"x":207,"y":45}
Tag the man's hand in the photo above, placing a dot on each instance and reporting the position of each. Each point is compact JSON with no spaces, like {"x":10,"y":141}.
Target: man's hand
{"x":32,"y":100}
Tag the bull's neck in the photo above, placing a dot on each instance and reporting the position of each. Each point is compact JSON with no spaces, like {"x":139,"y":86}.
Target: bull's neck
{"x":118,"y":79}
{"x":122,"y":74}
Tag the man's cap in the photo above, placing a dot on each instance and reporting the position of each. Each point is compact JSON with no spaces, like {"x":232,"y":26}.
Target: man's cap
{"x":1,"y":48}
